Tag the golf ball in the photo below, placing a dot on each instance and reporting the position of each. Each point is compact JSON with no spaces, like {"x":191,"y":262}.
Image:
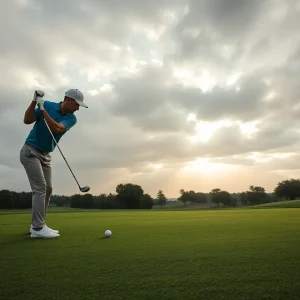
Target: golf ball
{"x":107,"y":233}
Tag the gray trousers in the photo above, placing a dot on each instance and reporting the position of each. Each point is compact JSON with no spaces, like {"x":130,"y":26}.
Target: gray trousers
{"x":37,"y":165}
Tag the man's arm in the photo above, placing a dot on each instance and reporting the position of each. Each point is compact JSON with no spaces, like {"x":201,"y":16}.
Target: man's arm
{"x":54,"y":126}
{"x":29,"y":116}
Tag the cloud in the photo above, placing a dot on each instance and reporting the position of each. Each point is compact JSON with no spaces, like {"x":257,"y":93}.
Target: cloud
{"x":169,"y":84}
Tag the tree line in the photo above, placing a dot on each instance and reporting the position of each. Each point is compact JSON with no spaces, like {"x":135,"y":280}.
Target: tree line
{"x":132,"y":196}
{"x":127,"y":196}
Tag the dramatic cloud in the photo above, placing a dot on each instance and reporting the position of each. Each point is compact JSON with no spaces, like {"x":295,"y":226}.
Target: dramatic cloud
{"x":186,"y":94}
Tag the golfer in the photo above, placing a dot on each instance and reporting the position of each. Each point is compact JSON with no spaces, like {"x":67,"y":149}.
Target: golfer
{"x":35,"y":153}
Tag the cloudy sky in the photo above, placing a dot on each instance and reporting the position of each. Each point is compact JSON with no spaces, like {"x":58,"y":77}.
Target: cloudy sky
{"x":188,"y":94}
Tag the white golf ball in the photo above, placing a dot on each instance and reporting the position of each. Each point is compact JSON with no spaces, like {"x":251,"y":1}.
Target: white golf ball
{"x":107,"y":233}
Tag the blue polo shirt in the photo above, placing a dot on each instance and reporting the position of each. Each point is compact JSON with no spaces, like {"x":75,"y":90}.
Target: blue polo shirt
{"x":40,"y":137}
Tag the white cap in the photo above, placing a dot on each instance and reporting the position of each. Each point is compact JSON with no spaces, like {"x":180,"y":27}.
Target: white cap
{"x":77,"y":96}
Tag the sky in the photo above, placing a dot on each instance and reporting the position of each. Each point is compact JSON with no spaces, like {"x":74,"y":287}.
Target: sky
{"x":182,"y":94}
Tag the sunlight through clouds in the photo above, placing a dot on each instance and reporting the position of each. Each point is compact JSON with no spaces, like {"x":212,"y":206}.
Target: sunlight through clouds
{"x":210,"y":85}
{"x":191,"y":117}
{"x":158,"y":166}
{"x":271,"y":96}
{"x":208,"y":167}
{"x":232,"y":79}
{"x":249,"y":129}
{"x":205,"y":130}
{"x":189,"y":78}
{"x":93,"y":92}
{"x":260,"y":157}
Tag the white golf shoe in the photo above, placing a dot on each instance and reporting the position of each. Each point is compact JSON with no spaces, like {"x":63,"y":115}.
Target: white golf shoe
{"x":54,"y":230}
{"x":44,"y":233}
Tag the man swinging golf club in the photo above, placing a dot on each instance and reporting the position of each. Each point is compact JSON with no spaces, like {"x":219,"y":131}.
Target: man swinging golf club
{"x":52,"y":120}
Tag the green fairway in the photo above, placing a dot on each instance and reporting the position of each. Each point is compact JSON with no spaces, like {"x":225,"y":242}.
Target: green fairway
{"x":201,"y":254}
{"x":281,"y":204}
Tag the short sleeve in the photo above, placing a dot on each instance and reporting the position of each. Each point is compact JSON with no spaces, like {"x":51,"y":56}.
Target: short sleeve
{"x":69,"y":123}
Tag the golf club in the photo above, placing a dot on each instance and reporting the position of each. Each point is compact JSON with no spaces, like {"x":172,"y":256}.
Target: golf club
{"x":82,"y":189}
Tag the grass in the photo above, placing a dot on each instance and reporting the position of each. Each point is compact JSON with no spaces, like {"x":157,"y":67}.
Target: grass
{"x":201,"y":254}
{"x":281,"y":204}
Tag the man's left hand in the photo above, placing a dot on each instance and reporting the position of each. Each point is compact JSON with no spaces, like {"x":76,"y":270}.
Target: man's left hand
{"x":40,"y":103}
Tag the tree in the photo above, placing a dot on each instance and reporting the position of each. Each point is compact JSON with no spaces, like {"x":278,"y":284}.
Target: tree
{"x":87,"y":201}
{"x":146,"y":202}
{"x":183,"y":197}
{"x":201,"y":198}
{"x":76,"y":201}
{"x":60,"y":201}
{"x":219,"y":196}
{"x":256,"y":195}
{"x":82,"y":201}
{"x":112,"y":202}
{"x":22,"y":200}
{"x":233,"y":201}
{"x":99,"y":201}
{"x":129,"y":195}
{"x":161,"y":198}
{"x":104,"y":201}
{"x":215,"y":191}
{"x":192,"y":196}
{"x":289,"y":189}
{"x":6,"y":199}
{"x":243,"y":198}
{"x":257,"y":189}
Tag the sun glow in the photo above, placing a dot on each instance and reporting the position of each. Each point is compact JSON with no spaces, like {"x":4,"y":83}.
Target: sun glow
{"x":157,"y":166}
{"x":192,"y":117}
{"x":271,"y":96}
{"x":205,"y":81}
{"x":207,"y":166}
{"x":232,"y":79}
{"x":93,"y":92}
{"x":260,"y":157}
{"x":205,"y":130}
{"x":248,"y":129}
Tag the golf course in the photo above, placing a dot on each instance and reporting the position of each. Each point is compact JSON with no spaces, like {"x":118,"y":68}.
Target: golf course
{"x":158,"y":254}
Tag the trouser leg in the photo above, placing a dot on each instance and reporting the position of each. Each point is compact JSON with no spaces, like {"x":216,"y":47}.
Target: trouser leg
{"x":33,"y":164}
{"x":48,"y":177}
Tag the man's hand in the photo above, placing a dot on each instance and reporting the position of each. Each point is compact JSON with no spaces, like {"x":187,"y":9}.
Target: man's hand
{"x":40,"y":103}
{"x":38,"y":93}
{"x":29,"y":116}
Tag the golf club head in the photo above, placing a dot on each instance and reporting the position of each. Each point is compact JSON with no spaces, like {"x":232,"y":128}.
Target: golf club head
{"x":85,"y":189}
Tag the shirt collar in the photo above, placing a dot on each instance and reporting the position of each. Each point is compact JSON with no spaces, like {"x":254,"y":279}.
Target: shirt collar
{"x":57,"y":107}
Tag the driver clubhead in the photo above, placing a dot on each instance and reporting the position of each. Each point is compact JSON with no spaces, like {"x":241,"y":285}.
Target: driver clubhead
{"x":85,"y":189}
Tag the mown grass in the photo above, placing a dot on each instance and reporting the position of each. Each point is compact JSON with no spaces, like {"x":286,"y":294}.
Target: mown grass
{"x":202,"y":254}
{"x":281,"y":204}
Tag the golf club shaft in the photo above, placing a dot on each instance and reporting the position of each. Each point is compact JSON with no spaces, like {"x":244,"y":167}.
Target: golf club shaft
{"x":61,"y":152}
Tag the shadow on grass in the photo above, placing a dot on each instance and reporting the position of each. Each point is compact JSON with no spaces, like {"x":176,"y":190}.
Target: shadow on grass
{"x":104,"y":238}
{"x":25,"y":239}
{"x":24,"y":234}
{"x":18,"y":239}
